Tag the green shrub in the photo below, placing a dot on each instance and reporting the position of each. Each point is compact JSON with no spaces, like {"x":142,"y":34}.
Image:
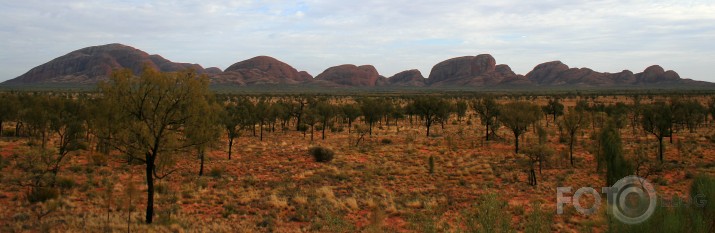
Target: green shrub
{"x":538,"y":220}
{"x":321,"y":154}
{"x":161,"y":188}
{"x":98,"y":159}
{"x":489,"y":215}
{"x":65,"y":183}
{"x":216,"y":172}
{"x":386,"y":141}
{"x":703,"y":190}
{"x":40,"y":194}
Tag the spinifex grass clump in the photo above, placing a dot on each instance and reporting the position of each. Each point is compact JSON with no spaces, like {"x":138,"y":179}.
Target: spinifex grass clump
{"x":321,"y":154}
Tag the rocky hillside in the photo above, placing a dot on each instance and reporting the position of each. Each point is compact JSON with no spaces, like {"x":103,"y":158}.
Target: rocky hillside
{"x":351,"y":75}
{"x":92,"y":64}
{"x":478,"y":70}
{"x":260,"y":70}
{"x":556,"y":73}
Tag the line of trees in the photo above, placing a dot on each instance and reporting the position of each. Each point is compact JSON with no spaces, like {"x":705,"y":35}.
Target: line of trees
{"x":155,"y":118}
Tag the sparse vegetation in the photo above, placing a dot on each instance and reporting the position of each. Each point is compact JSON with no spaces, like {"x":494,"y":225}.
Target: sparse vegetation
{"x":88,"y":173}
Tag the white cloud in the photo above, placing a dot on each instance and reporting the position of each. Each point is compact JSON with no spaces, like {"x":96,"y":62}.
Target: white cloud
{"x":312,"y":35}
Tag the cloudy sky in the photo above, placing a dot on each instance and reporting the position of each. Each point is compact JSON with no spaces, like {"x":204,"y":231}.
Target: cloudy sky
{"x":394,"y":35}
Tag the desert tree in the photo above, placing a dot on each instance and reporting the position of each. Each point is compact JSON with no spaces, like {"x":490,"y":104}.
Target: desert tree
{"x":518,"y":116}
{"x":431,"y":109}
{"x":231,"y":121}
{"x":553,"y":108}
{"x":573,"y":121}
{"x":371,"y":110}
{"x":68,"y":124}
{"x":297,"y":107}
{"x":325,"y":111}
{"x":612,"y":151}
{"x":487,"y":109}
{"x":537,"y":154}
{"x":205,"y":131}
{"x":689,"y":113}
{"x":8,"y":108}
{"x":657,"y":119}
{"x":350,"y":112}
{"x":310,"y":118}
{"x":460,"y":108}
{"x":261,"y":111}
{"x":155,"y":112}
{"x":37,"y":116}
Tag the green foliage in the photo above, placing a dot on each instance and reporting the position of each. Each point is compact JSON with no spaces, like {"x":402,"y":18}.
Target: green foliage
{"x":431,"y":164}
{"x":66,"y":183}
{"x":321,"y":154}
{"x":572,"y":122}
{"x":612,"y":151}
{"x":488,"y":110}
{"x":703,"y":192}
{"x":216,"y":172}
{"x":489,"y":215}
{"x":538,"y":220}
{"x":431,"y":109}
{"x":518,"y":116}
{"x":676,"y":218}
{"x":154,"y":112}
{"x":657,"y":119}
{"x":554,"y":108}
{"x":42,"y":194}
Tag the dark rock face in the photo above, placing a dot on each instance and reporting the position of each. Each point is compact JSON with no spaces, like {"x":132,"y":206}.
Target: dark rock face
{"x":212,"y":70}
{"x":656,"y":74}
{"x":558,"y":74}
{"x":261,"y":70}
{"x":478,"y":70}
{"x":264,"y":70}
{"x":351,"y":75}
{"x":408,"y":78}
{"x":92,"y":64}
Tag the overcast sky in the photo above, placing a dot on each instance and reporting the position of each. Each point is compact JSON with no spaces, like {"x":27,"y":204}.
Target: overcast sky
{"x":392,"y":35}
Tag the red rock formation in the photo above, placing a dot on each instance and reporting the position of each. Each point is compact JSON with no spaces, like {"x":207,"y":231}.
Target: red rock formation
{"x":409,"y":78}
{"x":478,"y":70}
{"x":261,"y":70}
{"x":351,"y":75}
{"x":558,"y":74}
{"x":92,"y":64}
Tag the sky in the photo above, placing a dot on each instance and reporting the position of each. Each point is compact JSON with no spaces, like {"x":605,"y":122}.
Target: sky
{"x":394,"y":35}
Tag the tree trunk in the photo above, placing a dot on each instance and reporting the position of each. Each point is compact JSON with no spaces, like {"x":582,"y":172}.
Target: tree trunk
{"x":325,"y":125}
{"x":18,"y":125}
{"x":428,"y":126}
{"x":516,"y":142}
{"x":487,"y":134}
{"x":311,"y":132}
{"x":350,"y":125}
{"x":660,"y":149}
{"x":571,"y":148}
{"x":230,"y":146}
{"x":150,"y":188}
{"x":261,"y":125}
{"x":0,"y":128}
{"x":201,"y":157}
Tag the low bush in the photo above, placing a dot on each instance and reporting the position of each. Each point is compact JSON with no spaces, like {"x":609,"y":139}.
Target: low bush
{"x":65,"y":183}
{"x":41,"y":194}
{"x":321,"y":154}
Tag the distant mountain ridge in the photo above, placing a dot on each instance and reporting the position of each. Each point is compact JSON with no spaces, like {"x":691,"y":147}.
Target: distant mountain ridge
{"x":93,"y":64}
